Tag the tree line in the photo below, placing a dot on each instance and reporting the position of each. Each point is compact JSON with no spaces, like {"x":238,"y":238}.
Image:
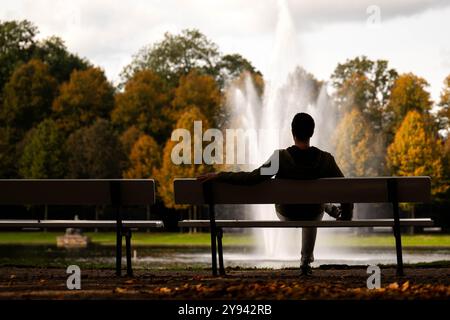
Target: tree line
{"x":60,"y":117}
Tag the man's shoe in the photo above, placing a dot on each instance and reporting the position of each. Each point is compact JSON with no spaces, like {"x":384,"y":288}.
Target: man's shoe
{"x":305,"y":270}
{"x":346,"y":212}
{"x":332,"y":210}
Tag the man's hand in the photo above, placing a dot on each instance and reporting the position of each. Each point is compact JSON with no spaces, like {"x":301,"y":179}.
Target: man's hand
{"x":207,"y":176}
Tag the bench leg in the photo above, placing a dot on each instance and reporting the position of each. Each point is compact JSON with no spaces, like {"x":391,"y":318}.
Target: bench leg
{"x":398,"y":240}
{"x":213,"y":252}
{"x":119,"y":230}
{"x":212,"y":219}
{"x":128,"y":253}
{"x":220,"y":249}
{"x":118,"y":251}
{"x":393,"y":198}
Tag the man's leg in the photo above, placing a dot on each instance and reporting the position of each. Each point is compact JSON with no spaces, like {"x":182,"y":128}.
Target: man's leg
{"x":308,"y":243}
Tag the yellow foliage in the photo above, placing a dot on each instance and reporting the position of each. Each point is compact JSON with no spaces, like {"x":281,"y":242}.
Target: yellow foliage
{"x":144,"y":159}
{"x":143,"y":104}
{"x":408,"y":93}
{"x":197,"y":90}
{"x":358,"y":150}
{"x":416,"y":152}
{"x":169,"y":171}
{"x":85,"y":97}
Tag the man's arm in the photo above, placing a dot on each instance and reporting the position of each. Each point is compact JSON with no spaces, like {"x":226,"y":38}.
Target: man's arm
{"x":346,"y":208}
{"x":244,"y":178}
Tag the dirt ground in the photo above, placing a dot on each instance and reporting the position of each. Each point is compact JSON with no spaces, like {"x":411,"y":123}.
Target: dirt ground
{"x":327,"y":282}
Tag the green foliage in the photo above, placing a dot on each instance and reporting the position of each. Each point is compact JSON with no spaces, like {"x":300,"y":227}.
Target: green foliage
{"x":86,"y":97}
{"x":43,"y":156}
{"x":415,"y":151}
{"x":16,"y":46}
{"x":177,"y":55}
{"x":28,"y":96}
{"x":145,"y":103}
{"x":366,"y":85}
{"x":94,"y":152}
{"x":231,"y":66}
{"x":358,"y":149}
{"x":61,"y":63}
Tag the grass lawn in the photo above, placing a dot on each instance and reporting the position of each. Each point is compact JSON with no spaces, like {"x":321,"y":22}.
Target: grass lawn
{"x":203,"y":239}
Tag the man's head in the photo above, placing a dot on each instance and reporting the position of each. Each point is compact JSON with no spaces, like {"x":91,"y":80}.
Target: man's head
{"x":302,"y":127}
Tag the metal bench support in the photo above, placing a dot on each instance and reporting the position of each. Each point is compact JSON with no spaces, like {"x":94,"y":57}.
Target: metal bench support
{"x":220,"y":249}
{"x":128,"y":252}
{"x":212,"y":220}
{"x":392,"y":195}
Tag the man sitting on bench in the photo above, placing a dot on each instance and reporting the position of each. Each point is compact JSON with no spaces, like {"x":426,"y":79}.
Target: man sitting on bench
{"x":300,"y":161}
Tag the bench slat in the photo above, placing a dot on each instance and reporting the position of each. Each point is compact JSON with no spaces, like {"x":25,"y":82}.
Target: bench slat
{"x":290,"y":224}
{"x":355,"y":190}
{"x":75,"y":192}
{"x":79,"y":223}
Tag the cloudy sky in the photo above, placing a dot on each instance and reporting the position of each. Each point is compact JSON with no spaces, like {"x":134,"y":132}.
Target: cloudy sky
{"x":411,"y":34}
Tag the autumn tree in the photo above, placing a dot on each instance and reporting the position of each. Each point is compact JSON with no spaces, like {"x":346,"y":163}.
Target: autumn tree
{"x":170,"y":170}
{"x":144,"y":104}
{"x":94,"y":152}
{"x":28,"y":96}
{"x":358,"y":148}
{"x":144,"y":159}
{"x":408,"y":93}
{"x":129,"y":137}
{"x":86,"y":97}
{"x":366,"y":85}
{"x":446,"y":165}
{"x":7,"y":153}
{"x":43,"y":153}
{"x":415,"y":151}
{"x":197,"y":90}
{"x":444,"y":104}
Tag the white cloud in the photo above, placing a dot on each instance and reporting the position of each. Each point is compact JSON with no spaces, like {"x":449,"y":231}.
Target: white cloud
{"x":109,"y":32}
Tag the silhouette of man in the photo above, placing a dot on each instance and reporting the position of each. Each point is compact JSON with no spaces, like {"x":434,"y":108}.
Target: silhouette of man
{"x":300,"y":161}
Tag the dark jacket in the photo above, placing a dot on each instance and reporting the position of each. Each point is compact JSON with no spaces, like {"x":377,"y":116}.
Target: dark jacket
{"x":294,"y":163}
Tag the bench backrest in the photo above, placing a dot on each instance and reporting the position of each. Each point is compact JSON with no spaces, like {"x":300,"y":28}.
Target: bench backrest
{"x":327,"y":190}
{"x":77,"y":192}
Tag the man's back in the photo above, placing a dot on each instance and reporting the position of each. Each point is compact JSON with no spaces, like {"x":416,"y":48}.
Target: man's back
{"x":309,"y":163}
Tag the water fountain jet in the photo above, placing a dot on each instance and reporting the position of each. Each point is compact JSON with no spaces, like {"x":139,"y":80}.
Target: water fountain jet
{"x":287,"y":92}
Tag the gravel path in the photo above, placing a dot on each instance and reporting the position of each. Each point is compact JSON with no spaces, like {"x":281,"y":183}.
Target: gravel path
{"x":327,"y":282}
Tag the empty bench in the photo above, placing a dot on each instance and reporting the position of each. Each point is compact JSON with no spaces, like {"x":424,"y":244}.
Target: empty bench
{"x":328,"y":190}
{"x":115,"y":193}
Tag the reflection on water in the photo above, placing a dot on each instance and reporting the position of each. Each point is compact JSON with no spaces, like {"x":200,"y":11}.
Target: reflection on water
{"x":197,"y":257}
{"x":235,"y":258}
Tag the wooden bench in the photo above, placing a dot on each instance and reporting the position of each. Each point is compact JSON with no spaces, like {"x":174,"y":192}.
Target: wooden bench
{"x":329,"y":190}
{"x":116,"y":193}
